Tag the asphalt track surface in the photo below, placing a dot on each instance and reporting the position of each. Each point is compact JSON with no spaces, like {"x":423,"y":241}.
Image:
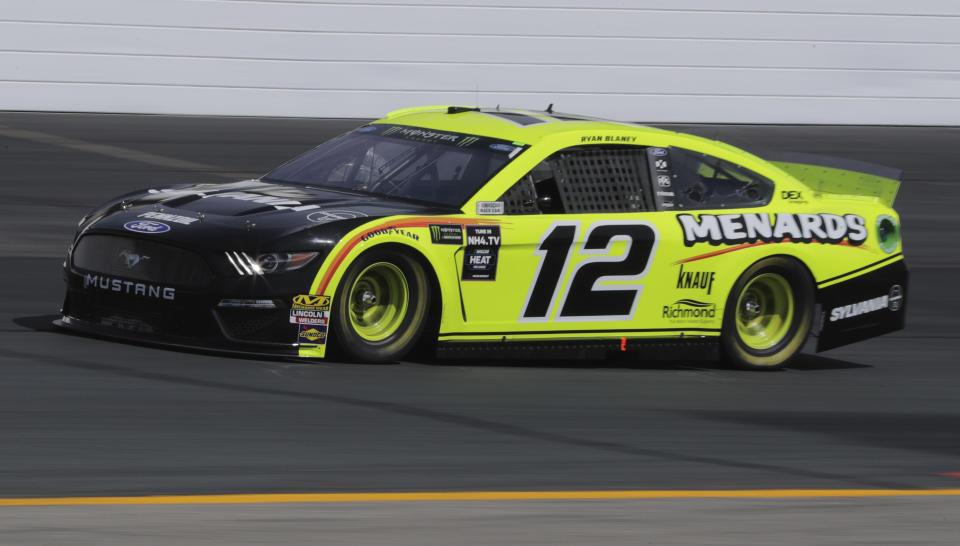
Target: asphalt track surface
{"x":83,"y":417}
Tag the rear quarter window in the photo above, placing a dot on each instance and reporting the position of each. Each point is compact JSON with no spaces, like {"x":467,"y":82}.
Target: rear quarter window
{"x":701,"y":181}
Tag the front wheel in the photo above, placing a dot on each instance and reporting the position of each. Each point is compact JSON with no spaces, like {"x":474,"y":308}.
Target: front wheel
{"x":768,"y":314}
{"x":381,"y":306}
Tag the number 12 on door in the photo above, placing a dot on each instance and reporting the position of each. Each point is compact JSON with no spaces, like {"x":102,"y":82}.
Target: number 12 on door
{"x":601,"y":287}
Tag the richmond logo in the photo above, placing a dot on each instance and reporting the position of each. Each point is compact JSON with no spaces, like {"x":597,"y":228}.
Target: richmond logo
{"x":690,"y":309}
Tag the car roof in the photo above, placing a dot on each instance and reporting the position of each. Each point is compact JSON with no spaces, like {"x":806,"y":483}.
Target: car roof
{"x":526,"y":126}
{"x":531,"y":126}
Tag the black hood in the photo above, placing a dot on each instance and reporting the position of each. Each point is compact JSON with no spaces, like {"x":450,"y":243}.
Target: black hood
{"x":249,"y":215}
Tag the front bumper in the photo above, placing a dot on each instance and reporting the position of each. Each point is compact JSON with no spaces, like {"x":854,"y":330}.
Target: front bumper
{"x":175,"y":299}
{"x":214,"y":345}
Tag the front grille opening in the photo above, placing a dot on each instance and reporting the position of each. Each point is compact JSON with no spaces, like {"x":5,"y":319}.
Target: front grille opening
{"x":142,"y":260}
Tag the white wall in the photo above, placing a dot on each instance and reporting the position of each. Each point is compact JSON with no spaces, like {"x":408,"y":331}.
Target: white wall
{"x":750,"y":61}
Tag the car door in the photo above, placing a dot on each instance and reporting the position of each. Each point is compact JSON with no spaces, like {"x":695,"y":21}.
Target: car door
{"x":572,"y":251}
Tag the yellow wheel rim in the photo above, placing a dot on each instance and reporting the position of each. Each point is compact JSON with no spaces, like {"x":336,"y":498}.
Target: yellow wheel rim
{"x":378,"y":301}
{"x":764,"y":311}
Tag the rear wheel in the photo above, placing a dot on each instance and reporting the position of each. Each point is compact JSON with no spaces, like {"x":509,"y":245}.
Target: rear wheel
{"x":381,"y":306}
{"x":768,"y":314}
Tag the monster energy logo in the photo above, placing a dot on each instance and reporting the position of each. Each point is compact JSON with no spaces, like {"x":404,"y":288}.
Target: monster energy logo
{"x":422,"y":135}
{"x":446,"y":234}
{"x":467,"y":141}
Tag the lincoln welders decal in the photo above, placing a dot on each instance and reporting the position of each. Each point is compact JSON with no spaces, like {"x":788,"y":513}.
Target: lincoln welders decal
{"x":480,"y":255}
{"x":732,"y":229}
{"x":309,"y":316}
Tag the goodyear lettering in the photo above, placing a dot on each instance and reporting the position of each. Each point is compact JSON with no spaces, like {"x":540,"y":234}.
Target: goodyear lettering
{"x":389,"y":230}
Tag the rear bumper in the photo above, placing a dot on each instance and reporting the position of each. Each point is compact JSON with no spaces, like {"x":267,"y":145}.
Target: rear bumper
{"x":863,"y":306}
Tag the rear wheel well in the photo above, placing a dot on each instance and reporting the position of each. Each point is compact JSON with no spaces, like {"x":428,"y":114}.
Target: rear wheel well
{"x":769,"y":313}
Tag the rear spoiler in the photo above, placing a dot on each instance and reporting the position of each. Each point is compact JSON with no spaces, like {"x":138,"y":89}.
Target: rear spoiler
{"x":832,"y":175}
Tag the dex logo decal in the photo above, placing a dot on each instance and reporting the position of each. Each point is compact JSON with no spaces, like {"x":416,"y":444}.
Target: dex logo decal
{"x":733,"y":229}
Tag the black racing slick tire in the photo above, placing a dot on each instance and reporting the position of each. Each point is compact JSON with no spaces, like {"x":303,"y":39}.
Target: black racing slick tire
{"x":768,"y":314}
{"x":381,"y":307}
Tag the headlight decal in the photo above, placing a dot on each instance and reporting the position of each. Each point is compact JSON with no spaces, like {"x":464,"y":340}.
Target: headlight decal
{"x":268,"y":263}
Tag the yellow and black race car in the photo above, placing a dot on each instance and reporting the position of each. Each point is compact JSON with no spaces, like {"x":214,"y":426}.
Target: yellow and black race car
{"x":503,"y":231}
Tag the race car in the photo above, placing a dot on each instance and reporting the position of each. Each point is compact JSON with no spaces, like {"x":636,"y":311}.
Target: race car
{"x":498,"y":232}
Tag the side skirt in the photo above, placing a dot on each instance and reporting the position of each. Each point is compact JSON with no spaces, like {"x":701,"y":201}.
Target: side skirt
{"x":699,"y":348}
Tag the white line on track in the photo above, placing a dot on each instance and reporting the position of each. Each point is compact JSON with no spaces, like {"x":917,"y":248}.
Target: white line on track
{"x":119,"y":152}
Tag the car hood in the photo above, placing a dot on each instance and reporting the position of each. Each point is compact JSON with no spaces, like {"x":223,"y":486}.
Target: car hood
{"x":249,"y":215}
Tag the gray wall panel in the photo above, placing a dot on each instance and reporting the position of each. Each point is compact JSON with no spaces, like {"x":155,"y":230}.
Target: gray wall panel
{"x":752,"y":61}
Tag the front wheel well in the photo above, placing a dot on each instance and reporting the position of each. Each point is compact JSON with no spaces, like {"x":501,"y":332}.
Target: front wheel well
{"x":428,"y":338}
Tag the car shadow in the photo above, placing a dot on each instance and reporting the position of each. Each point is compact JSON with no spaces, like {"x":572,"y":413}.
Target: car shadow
{"x":803,"y":363}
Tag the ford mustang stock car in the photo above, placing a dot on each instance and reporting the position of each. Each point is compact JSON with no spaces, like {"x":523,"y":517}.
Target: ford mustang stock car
{"x":474,"y":230}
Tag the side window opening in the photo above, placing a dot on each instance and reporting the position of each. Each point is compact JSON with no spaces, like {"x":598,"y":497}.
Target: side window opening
{"x":584,"y":179}
{"x":701,"y":181}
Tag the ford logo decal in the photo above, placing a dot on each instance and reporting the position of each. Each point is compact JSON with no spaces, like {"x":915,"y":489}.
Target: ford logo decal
{"x":658,"y":152}
{"x":146,"y":226}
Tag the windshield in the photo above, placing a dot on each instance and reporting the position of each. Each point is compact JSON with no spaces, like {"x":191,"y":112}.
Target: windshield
{"x":400,"y":161}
